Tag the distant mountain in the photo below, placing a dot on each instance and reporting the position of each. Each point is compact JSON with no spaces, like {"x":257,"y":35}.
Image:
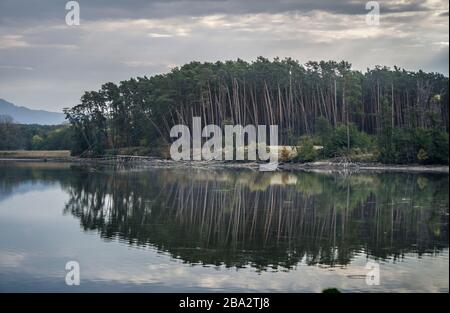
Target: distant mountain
{"x":23,"y":115}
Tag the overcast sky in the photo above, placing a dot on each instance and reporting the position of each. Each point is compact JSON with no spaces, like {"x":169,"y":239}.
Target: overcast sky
{"x":47,"y":64}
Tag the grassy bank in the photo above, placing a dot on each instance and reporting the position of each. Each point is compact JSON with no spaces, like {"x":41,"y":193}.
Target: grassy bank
{"x":38,"y":154}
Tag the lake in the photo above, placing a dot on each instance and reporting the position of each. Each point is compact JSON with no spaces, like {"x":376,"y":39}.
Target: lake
{"x":200,"y":230}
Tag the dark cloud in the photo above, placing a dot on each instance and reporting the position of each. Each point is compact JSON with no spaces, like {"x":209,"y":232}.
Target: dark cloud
{"x":46,"y":64}
{"x":15,"y":11}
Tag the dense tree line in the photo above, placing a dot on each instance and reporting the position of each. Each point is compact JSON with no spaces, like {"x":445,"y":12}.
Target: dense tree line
{"x":392,"y":106}
{"x":34,"y":137}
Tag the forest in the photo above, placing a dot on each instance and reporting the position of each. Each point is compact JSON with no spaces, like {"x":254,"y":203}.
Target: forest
{"x":15,"y":136}
{"x":390,"y":115}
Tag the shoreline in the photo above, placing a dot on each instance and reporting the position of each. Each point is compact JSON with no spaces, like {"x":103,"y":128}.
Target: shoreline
{"x":318,"y":166}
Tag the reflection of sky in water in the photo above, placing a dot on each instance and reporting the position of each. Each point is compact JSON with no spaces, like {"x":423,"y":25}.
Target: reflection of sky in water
{"x":36,"y":240}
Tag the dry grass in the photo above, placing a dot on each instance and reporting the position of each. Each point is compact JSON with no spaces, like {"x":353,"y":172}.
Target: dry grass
{"x":26,"y":154}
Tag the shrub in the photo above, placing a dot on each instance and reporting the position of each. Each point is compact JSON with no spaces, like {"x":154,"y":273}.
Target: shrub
{"x":422,"y":155}
{"x":285,"y":155}
{"x":337,"y":144}
{"x":427,"y":146}
{"x":305,"y":150}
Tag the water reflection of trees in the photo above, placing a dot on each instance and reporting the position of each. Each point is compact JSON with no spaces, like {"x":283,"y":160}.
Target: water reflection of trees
{"x":24,"y":176}
{"x":260,"y":219}
{"x":265,"y":219}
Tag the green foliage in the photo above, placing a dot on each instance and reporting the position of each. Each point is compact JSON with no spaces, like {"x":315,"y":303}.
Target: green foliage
{"x":36,"y":142}
{"x":305,"y":150}
{"x":422,"y":155}
{"x":35,"y":137}
{"x":337,"y":142}
{"x":426,"y":146}
{"x":324,"y":132}
{"x":394,"y":115}
{"x":348,"y":112}
{"x":10,"y":138}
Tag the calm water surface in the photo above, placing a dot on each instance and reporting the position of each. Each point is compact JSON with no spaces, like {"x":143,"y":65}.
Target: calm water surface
{"x":163,"y":230}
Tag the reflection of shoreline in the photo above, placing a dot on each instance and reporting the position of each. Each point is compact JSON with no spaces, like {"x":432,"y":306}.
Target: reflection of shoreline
{"x":320,"y":166}
{"x":240,"y":219}
{"x":265,"y":220}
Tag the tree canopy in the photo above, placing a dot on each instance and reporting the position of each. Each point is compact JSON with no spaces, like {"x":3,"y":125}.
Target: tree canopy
{"x":390,"y":104}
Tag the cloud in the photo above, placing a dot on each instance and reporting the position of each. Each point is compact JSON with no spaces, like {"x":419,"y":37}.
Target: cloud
{"x":12,"y":41}
{"x":101,"y":9}
{"x":11,"y":259}
{"x":12,"y":67}
{"x":118,"y":40}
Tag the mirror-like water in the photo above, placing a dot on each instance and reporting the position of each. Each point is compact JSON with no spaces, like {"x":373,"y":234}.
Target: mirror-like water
{"x":203,"y":230}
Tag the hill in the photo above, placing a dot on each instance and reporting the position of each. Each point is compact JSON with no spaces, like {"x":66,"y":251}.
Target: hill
{"x":23,"y":115}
